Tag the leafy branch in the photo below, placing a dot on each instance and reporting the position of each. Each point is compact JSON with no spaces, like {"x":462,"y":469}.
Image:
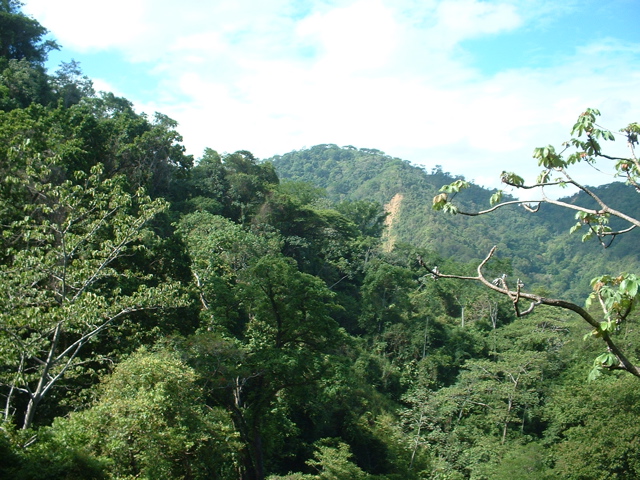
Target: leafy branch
{"x":617,"y":296}
{"x":617,"y":360}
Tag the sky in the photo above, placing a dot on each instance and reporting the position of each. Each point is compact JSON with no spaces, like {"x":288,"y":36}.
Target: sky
{"x":470,"y":85}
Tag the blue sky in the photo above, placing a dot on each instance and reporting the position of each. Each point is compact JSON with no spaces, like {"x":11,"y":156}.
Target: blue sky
{"x":470,"y":85}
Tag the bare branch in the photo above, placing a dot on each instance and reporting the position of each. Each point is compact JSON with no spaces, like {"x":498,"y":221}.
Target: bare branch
{"x":517,"y":295}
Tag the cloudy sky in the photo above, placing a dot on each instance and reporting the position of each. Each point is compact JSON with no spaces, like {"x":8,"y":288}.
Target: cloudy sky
{"x":470,"y":85}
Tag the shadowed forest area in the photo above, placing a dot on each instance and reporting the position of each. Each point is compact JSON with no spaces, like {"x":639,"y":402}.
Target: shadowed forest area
{"x":305,"y":316}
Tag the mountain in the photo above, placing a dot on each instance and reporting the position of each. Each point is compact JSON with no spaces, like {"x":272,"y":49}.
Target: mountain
{"x":538,"y":246}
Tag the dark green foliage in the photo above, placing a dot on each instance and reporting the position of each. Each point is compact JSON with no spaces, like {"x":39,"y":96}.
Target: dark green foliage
{"x":21,"y":36}
{"x":23,"y":51}
{"x":23,"y":84}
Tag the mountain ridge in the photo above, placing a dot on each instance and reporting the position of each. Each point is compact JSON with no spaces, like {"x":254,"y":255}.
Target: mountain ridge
{"x":538,"y":246}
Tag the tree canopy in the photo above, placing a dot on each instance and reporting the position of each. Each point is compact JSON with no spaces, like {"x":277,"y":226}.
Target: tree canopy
{"x":298,"y":317}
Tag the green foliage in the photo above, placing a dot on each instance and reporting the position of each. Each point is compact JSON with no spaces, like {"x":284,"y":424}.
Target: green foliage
{"x":617,"y":295}
{"x":547,"y":158}
{"x":286,"y":338}
{"x":149,"y":421}
{"x":23,"y":84}
{"x":21,"y":36}
{"x":385,"y":292}
{"x":496,"y":197}
{"x":511,"y":178}
{"x":220,"y":250}
{"x":596,"y":429}
{"x":455,"y":187}
{"x":70,"y":85}
{"x":63,"y":280}
{"x":368,"y":216}
{"x":332,"y":462}
{"x":529,"y":461}
{"x":494,"y":405}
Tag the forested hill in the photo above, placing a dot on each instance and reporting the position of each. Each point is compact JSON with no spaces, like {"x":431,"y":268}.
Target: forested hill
{"x":538,"y":246}
{"x":164,"y":317}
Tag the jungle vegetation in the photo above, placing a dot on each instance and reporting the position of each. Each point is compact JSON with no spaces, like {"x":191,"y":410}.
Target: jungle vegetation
{"x":229,"y":317}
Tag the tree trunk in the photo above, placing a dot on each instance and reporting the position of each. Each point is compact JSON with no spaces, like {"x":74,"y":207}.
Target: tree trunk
{"x":259,"y":457}
{"x":36,"y":396}
{"x":506,"y":420}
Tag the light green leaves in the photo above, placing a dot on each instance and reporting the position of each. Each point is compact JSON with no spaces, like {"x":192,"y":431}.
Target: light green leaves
{"x":496,"y":197}
{"x":548,"y":158}
{"x":150,"y":421}
{"x":618,"y":296}
{"x":632,"y":130}
{"x":596,"y":222}
{"x":585,"y":122}
{"x":512,"y":179}
{"x":455,"y":187}
{"x":543,"y":177}
{"x":602,"y":362}
{"x":441,"y":201}
{"x":70,"y":271}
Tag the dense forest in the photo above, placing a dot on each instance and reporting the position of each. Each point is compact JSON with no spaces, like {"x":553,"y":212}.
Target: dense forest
{"x":299,"y":317}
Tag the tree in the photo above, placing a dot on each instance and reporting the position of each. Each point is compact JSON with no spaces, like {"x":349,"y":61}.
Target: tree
{"x":23,"y":51}
{"x":618,"y":294}
{"x":385,"y":294}
{"x":279,"y":320}
{"x":70,"y":85}
{"x":150,"y":421}
{"x":593,"y":428}
{"x":249,"y":182}
{"x":23,"y":84}
{"x":21,"y":36}
{"x":368,"y":216}
{"x":67,"y":275}
{"x":288,"y":338}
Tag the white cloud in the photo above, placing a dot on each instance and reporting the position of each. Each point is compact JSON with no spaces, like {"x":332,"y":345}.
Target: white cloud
{"x":354,"y":37}
{"x":275,"y":76}
{"x":83,"y":26}
{"x":459,"y":20}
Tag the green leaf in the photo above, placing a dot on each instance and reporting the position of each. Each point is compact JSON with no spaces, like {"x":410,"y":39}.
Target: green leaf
{"x":511,"y":178}
{"x":439,"y":201}
{"x":594,"y":373}
{"x":455,"y":187}
{"x":606,"y":359}
{"x":543,"y":177}
{"x":450,"y":208}
{"x":630,"y":286}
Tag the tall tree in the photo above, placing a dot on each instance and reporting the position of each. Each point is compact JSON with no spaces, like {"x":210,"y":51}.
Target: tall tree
{"x":280,"y":319}
{"x":150,"y":421}
{"x":64,"y":279}
{"x":21,"y":37}
{"x":23,"y":51}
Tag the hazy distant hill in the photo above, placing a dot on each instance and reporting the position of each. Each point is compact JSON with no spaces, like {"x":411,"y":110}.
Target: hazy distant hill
{"x":538,"y":245}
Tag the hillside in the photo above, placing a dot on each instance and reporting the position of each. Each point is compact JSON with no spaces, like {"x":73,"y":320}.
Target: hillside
{"x":167,"y":318}
{"x":538,"y":246}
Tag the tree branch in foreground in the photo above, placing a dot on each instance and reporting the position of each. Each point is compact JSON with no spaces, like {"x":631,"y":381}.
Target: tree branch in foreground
{"x":501,"y":286}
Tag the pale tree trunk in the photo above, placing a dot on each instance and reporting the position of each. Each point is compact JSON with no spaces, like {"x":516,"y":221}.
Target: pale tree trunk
{"x":36,"y":396}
